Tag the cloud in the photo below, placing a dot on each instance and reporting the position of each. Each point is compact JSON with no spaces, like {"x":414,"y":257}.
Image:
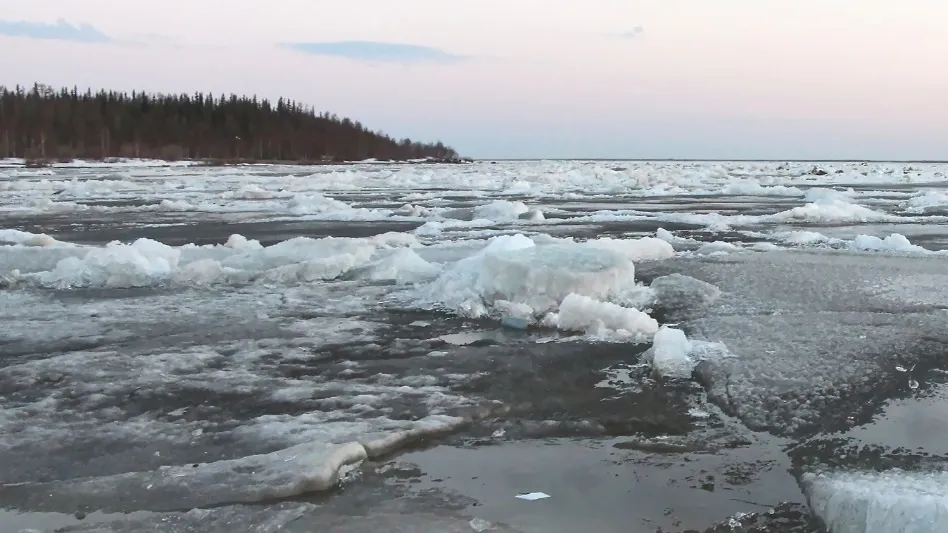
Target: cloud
{"x":60,"y":31}
{"x":631,"y":34}
{"x":376,"y":51}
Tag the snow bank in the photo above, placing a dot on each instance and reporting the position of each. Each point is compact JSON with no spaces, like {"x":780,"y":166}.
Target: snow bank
{"x":879,"y":502}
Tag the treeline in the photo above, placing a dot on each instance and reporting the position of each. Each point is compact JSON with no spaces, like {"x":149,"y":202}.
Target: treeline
{"x":43,"y":124}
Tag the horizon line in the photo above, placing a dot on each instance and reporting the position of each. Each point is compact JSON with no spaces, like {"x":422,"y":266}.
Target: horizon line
{"x":709,"y":160}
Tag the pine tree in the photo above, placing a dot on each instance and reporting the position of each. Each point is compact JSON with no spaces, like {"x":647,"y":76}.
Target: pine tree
{"x":42,"y":123}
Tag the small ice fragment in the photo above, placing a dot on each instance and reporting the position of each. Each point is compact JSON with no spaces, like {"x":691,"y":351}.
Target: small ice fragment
{"x":480,"y":525}
{"x":498,"y":434}
{"x":533,"y":496}
{"x":913,"y":384}
{"x":901,"y":368}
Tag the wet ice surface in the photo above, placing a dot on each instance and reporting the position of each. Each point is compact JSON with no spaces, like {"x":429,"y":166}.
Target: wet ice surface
{"x":654,"y":345}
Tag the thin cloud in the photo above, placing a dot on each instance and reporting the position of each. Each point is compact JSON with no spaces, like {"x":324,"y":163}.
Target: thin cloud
{"x":60,"y":31}
{"x":374,"y":51}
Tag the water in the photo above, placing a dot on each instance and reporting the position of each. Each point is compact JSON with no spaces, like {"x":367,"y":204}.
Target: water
{"x":354,"y":358}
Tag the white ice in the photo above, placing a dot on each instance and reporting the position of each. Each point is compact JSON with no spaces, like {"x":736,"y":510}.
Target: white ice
{"x":146,"y":262}
{"x":515,"y":272}
{"x":892,"y":501}
{"x":670,"y":358}
{"x":277,"y":191}
{"x":674,"y":356}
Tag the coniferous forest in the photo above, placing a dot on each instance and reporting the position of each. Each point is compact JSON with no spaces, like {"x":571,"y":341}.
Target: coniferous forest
{"x":42,"y":124}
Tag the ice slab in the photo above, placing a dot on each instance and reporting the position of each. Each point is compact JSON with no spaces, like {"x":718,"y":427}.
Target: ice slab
{"x":518,"y":271}
{"x":292,"y":517}
{"x":146,"y":262}
{"x":879,"y":502}
{"x":812,"y":333}
{"x":301,"y":469}
{"x":670,"y":358}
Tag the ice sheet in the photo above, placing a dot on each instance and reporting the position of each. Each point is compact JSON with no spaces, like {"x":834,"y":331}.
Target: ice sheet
{"x":300,"y":469}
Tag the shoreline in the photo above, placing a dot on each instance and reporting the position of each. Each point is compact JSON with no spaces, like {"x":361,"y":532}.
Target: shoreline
{"x":211,"y":163}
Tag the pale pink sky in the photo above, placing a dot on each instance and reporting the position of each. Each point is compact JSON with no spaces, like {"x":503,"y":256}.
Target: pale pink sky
{"x":544,"y":78}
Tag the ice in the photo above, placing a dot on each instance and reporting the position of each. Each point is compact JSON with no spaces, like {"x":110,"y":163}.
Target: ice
{"x":400,"y":265}
{"x":111,"y":162}
{"x":295,"y":517}
{"x":515,"y":269}
{"x":24,"y":238}
{"x":802,"y":237}
{"x":893,"y":243}
{"x":505,"y":211}
{"x":665,"y":235}
{"x":228,"y":354}
{"x":811,"y":331}
{"x":251,"y":191}
{"x":293,"y":471}
{"x":879,"y":502}
{"x":677,"y":292}
{"x":315,"y":204}
{"x":582,"y":313}
{"x":831,"y":206}
{"x":642,"y":249}
{"x":926,"y":200}
{"x":238,"y":242}
{"x":756,"y":189}
{"x":717,"y":247}
{"x":670,"y":358}
{"x":146,"y":262}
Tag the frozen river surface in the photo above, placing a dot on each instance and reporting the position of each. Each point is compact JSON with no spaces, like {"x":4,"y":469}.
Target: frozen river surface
{"x":409,"y":347}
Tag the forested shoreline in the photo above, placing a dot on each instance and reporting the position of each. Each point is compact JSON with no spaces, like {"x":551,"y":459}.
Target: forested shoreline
{"x":43,"y":125}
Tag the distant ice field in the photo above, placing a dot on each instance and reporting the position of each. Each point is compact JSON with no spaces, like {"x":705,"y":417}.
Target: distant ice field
{"x":185,"y":342}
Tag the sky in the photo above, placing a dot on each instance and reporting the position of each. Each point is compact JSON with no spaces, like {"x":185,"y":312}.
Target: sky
{"x":719,"y":79}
